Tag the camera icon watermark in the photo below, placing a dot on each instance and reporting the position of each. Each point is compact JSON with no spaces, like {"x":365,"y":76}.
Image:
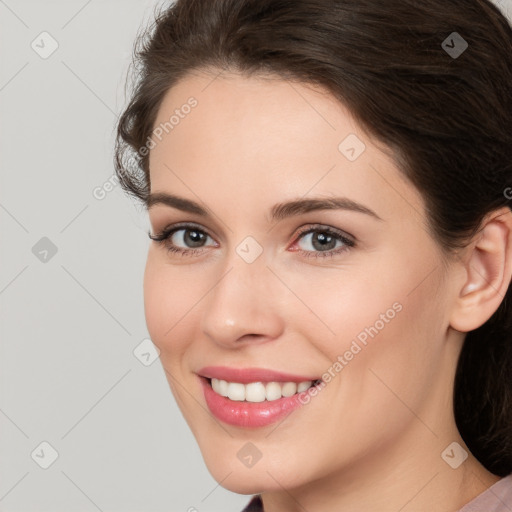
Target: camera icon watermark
{"x":249,"y":454}
{"x":146,"y":352}
{"x":351,"y":147}
{"x":454,"y":45}
{"x":249,"y":249}
{"x":454,"y":455}
{"x":44,"y":45}
{"x":44,"y":455}
{"x":44,"y":249}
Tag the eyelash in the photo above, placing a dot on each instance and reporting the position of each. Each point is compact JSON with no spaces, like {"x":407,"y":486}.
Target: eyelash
{"x":162,"y":238}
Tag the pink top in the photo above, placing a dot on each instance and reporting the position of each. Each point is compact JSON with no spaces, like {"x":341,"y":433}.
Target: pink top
{"x":498,"y":498}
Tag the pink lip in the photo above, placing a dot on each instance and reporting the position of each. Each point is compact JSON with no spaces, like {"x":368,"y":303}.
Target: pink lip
{"x":246,"y":375}
{"x":249,"y":414}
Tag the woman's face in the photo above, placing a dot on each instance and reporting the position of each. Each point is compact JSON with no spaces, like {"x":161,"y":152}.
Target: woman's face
{"x":362,"y":306}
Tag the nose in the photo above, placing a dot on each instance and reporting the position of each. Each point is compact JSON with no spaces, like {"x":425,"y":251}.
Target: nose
{"x":243,"y":305}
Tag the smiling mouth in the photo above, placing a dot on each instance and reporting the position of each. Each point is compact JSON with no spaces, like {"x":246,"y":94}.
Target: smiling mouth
{"x":259,"y":391}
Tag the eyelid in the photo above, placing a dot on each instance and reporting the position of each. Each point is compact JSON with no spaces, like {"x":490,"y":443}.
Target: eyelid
{"x":319,"y":227}
{"x":171,"y":228}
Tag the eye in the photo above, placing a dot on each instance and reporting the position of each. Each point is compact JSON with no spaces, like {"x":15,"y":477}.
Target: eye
{"x":192,"y":237}
{"x":323,"y":240}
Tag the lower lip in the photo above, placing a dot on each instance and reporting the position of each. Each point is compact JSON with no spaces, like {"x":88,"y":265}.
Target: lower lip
{"x":248,"y":414}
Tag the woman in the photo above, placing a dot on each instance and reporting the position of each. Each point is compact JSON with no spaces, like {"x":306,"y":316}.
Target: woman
{"x":328,"y":187}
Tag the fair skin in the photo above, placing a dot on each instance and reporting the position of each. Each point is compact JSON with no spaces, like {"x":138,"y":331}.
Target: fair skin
{"x":372,"y":439}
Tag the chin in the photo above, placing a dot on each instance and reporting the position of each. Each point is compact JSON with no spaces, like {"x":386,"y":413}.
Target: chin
{"x":245,"y":486}
{"x":263,"y":476}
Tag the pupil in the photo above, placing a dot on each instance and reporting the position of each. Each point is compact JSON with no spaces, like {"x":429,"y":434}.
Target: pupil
{"x":194,"y":237}
{"x":323,"y":239}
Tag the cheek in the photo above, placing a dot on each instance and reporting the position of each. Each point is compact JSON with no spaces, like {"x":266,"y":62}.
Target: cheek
{"x":170,"y":295}
{"x":350,"y":303}
{"x":399,"y":330}
{"x":386,"y":315}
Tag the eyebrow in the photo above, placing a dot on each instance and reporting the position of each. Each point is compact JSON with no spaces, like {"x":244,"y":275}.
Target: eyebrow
{"x":278,"y":212}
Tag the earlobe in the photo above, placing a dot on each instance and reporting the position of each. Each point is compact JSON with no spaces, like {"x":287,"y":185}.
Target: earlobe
{"x":488,"y":266}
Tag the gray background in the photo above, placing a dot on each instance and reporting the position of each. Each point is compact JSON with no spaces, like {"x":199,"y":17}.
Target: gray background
{"x":71,"y":321}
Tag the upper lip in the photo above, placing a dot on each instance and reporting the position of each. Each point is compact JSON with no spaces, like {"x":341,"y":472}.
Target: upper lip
{"x":247,"y":375}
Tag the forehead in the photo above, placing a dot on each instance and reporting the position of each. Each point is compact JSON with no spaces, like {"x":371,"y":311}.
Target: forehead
{"x":252,"y":138}
{"x":257,"y":111}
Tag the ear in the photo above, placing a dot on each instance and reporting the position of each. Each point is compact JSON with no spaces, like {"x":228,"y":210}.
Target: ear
{"x":488,"y":270}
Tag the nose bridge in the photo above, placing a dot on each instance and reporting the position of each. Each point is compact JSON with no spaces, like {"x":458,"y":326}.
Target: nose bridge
{"x":242,"y":299}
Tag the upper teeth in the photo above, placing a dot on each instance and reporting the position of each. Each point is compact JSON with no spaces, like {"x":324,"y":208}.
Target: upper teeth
{"x":258,"y":391}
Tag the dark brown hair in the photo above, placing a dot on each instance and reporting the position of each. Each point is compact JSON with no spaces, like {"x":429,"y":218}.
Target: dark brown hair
{"x":447,"y":119}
